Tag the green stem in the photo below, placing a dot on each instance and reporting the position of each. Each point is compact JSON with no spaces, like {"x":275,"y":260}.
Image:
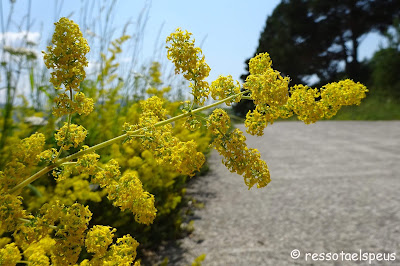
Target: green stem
{"x":67,"y":132}
{"x":202,"y":118}
{"x":28,"y":221}
{"x":112,"y":141}
{"x":246,"y":98}
{"x":69,"y":163}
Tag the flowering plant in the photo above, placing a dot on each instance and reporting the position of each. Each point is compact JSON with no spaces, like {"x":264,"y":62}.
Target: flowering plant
{"x":59,"y":233}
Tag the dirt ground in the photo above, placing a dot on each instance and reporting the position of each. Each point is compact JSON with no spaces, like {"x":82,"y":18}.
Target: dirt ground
{"x":335,"y":192}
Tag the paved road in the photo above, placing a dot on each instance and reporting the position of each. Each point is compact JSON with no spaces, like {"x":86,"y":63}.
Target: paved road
{"x":335,"y":187}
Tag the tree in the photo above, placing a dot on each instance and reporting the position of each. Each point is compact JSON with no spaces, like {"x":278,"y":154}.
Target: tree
{"x":385,"y":65}
{"x":316,"y":41}
{"x":354,"y":19}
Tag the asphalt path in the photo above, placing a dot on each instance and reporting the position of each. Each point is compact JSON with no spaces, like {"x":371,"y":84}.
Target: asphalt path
{"x":335,"y":192}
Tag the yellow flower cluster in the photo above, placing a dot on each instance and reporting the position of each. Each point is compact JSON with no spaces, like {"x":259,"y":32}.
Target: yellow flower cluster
{"x":155,"y":74}
{"x":303,"y":100}
{"x":270,"y":92}
{"x":83,"y":105}
{"x":31,"y":231}
{"x":266,"y":86}
{"x":69,"y":236}
{"x":337,"y":94}
{"x":29,"y":148}
{"x":260,"y":64}
{"x":73,"y":135}
{"x":72,"y":223}
{"x":47,"y":156}
{"x":127,"y":192}
{"x":98,"y":240}
{"x":10,"y":255}
{"x":64,"y":248}
{"x":153,"y":107}
{"x":263,"y":115}
{"x":38,"y":252}
{"x":224,"y":87}
{"x":73,"y":189}
{"x":190,"y":61}
{"x":303,"y":103}
{"x":24,"y":156}
{"x":124,"y":251}
{"x":181,"y":154}
{"x":109,"y":173}
{"x":65,"y":105}
{"x":237,"y":156}
{"x":192,"y":123}
{"x":168,"y":149}
{"x":88,"y":163}
{"x":10,"y":211}
{"x":68,"y":55}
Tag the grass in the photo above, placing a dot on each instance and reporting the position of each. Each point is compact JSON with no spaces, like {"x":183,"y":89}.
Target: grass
{"x":372,"y":108}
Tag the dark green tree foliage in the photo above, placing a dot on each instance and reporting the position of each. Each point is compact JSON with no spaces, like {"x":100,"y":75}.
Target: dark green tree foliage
{"x":321,"y":38}
{"x":385,"y":66}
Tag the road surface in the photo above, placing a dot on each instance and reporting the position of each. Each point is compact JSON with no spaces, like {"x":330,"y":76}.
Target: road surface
{"x":335,"y":192}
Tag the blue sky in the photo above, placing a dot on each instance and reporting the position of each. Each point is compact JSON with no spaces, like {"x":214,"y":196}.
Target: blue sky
{"x":228,"y":31}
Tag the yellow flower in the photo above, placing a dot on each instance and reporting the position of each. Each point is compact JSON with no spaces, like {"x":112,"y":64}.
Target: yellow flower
{"x":345,"y":92}
{"x":47,"y":156}
{"x":268,"y":88}
{"x":123,"y":252}
{"x":127,"y":193}
{"x":10,"y":255}
{"x":37,"y":253}
{"x":153,"y":107}
{"x":29,"y":148}
{"x":237,"y":156}
{"x":67,"y":56}
{"x":311,"y":105}
{"x":303,"y":102}
{"x":190,"y":61}
{"x":88,"y":163}
{"x":260,"y":64}
{"x":83,"y":104}
{"x":72,"y":222}
{"x":224,"y":87}
{"x":98,"y":239}
{"x":219,"y":122}
{"x":155,"y":74}
{"x":70,"y":136}
{"x":10,"y":211}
